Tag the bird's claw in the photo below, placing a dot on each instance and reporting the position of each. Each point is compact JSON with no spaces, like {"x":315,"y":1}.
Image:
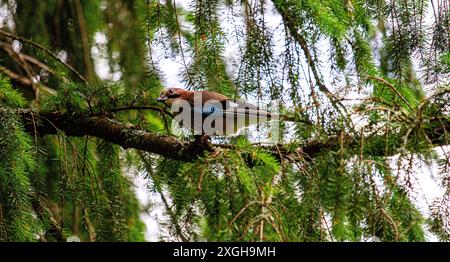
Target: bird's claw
{"x":203,"y":140}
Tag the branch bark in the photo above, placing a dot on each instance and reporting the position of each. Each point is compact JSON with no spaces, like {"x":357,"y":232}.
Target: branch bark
{"x":106,"y":128}
{"x":129,"y":136}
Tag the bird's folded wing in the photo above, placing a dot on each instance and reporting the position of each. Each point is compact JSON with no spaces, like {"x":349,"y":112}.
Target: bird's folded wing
{"x":233,"y":109}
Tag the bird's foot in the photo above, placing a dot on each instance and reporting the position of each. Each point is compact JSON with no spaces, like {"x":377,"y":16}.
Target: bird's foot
{"x":203,"y":141}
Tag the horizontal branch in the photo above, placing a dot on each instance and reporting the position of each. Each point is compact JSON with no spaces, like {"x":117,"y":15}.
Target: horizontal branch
{"x":129,"y":136}
{"x":103,"y":127}
{"x":154,"y":108}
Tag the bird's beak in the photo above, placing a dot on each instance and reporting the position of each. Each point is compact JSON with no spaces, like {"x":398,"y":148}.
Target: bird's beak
{"x":162,"y":98}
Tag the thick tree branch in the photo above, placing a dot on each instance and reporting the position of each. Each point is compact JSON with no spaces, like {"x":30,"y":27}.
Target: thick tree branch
{"x":129,"y":136}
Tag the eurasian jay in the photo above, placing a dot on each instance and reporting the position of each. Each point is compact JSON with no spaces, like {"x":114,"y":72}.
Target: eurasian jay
{"x":210,"y":113}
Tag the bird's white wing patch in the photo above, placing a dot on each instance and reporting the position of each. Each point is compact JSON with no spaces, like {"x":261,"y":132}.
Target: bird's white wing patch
{"x":232,"y":104}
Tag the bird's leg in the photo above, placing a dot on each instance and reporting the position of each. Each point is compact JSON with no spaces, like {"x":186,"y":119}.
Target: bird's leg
{"x":202,"y":140}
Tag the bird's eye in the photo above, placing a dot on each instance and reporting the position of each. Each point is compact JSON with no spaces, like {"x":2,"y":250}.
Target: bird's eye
{"x":170,"y":91}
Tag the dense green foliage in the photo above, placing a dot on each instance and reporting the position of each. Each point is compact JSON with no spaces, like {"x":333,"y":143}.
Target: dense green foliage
{"x":394,"y":56}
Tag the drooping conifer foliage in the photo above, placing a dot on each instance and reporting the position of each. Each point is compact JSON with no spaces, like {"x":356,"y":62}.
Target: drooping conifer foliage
{"x":366,"y":84}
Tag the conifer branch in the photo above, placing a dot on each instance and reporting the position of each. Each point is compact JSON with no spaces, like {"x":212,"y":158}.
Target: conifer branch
{"x":129,"y":136}
{"x":125,"y":135}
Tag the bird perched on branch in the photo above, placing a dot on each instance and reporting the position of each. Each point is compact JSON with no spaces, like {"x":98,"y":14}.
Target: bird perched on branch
{"x":210,"y":113}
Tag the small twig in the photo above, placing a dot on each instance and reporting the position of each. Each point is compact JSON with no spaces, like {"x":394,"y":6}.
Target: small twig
{"x":385,"y":82}
{"x":242,"y":211}
{"x":174,"y":218}
{"x":16,"y":77}
{"x":200,"y":180}
{"x":22,"y":80}
{"x":84,"y":40}
{"x":190,"y":81}
{"x":391,"y":221}
{"x":24,"y":65}
{"x":39,"y":46}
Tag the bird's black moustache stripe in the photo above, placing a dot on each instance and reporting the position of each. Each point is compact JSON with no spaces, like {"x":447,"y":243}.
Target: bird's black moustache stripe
{"x":173,"y":96}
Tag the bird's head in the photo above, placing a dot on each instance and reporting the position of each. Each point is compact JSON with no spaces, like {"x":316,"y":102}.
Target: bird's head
{"x":169,"y":95}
